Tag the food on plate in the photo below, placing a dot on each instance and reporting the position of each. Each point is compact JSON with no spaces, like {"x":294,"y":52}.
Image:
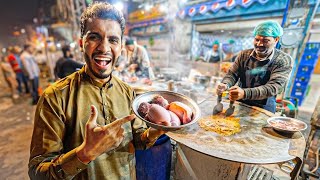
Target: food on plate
{"x":160,"y":101}
{"x":286,"y":125}
{"x":144,"y":108}
{"x":159,"y":111}
{"x":158,"y":115}
{"x":183,"y":111}
{"x":221,"y":125}
{"x":174,"y":120}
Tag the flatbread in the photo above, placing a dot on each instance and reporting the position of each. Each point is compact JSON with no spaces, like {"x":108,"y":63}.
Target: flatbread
{"x":221,"y":125}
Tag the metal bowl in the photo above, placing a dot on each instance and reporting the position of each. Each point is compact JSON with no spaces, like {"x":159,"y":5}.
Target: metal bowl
{"x":286,"y":124}
{"x":170,"y":97}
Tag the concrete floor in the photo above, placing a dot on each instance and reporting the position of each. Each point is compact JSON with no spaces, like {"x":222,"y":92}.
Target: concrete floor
{"x":15,"y":134}
{"x":16,"y":129}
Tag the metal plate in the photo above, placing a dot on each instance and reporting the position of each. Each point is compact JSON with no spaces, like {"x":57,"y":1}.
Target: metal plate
{"x":287,"y":124}
{"x":170,"y":97}
{"x":252,"y":145}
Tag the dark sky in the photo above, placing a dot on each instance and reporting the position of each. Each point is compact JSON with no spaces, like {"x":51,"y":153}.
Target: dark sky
{"x":15,"y":13}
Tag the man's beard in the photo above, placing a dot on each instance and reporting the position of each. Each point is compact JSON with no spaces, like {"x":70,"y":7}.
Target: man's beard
{"x":100,"y":75}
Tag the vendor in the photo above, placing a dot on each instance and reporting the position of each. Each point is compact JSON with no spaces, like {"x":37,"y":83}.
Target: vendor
{"x":214,"y":55}
{"x":262,"y":72}
{"x":137,"y":60}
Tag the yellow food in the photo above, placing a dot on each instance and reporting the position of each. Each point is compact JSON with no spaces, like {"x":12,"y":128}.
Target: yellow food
{"x":224,"y":126}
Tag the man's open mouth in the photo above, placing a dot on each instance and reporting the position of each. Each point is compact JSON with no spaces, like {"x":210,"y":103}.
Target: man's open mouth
{"x":102,"y":61}
{"x":260,"y":49}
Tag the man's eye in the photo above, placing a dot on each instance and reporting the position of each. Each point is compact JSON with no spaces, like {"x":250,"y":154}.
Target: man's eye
{"x":93,"y":37}
{"x":115,"y":41}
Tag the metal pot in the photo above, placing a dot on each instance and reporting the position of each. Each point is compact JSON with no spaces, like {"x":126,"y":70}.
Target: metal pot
{"x":202,"y":80}
{"x":170,"y":74}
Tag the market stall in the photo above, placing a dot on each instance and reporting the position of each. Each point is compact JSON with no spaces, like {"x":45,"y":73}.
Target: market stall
{"x":255,"y":149}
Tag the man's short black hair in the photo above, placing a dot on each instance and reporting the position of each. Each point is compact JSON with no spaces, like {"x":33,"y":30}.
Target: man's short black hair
{"x":65,"y":49}
{"x":101,"y":10}
{"x":26,"y":46}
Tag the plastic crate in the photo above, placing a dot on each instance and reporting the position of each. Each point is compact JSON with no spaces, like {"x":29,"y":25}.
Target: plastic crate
{"x":309,"y":59}
{"x":300,"y":93}
{"x":299,"y":99}
{"x":299,"y":84}
{"x":305,"y":70}
{"x":312,"y":48}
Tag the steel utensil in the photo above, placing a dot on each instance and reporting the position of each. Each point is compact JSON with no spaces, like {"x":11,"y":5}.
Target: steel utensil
{"x":219,"y":106}
{"x":230,"y":110}
{"x":259,"y":172}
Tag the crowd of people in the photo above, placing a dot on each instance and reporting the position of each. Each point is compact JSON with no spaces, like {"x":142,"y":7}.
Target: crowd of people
{"x":23,"y":67}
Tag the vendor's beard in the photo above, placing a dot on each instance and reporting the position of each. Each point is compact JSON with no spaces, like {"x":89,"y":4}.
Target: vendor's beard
{"x":264,"y":52}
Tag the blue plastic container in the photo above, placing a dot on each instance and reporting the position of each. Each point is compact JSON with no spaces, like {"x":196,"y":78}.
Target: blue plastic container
{"x":155,"y":162}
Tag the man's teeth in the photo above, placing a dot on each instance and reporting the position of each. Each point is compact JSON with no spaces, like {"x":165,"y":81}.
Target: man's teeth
{"x":102,"y":63}
{"x":103,"y":59}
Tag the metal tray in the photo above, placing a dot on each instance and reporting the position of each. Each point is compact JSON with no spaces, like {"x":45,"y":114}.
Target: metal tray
{"x":170,"y":97}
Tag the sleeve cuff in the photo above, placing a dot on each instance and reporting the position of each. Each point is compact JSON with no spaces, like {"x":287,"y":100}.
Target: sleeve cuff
{"x":247,"y":94}
{"x":71,"y":164}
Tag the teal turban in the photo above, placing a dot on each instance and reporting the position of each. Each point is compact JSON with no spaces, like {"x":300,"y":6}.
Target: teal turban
{"x":215,"y":42}
{"x":129,"y":42}
{"x":268,"y":28}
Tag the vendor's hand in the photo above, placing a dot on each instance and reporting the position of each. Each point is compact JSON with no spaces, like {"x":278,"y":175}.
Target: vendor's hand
{"x":236,"y":93}
{"x":100,"y":139}
{"x":220,"y":88}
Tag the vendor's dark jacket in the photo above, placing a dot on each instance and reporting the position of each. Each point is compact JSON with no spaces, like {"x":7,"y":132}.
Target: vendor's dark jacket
{"x":274,"y":79}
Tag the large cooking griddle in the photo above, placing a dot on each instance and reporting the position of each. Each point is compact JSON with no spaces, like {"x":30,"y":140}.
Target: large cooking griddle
{"x":256,"y":143}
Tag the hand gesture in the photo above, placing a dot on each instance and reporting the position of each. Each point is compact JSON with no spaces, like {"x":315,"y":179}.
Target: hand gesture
{"x":100,"y":139}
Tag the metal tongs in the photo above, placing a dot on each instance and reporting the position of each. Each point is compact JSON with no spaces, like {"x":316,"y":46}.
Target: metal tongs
{"x":219,"y":107}
{"x":230,"y":110}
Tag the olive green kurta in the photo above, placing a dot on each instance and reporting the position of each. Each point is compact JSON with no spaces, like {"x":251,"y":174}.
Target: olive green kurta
{"x":59,"y":127}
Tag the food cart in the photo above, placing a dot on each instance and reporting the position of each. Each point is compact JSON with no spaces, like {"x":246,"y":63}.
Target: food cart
{"x":258,"y":151}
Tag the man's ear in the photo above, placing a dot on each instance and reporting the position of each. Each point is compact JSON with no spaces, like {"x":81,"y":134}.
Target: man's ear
{"x":80,"y":44}
{"x":277,"y":39}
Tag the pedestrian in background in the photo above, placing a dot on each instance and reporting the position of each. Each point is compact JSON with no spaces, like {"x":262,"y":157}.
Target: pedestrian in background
{"x":9,"y":76}
{"x":32,"y":69}
{"x":66,"y":65}
{"x":17,"y":66}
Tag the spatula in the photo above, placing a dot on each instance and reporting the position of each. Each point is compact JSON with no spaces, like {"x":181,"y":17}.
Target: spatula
{"x":219,"y":106}
{"x":230,"y":110}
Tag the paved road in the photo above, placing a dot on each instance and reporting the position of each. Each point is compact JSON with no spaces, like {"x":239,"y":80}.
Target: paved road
{"x":16,"y":124}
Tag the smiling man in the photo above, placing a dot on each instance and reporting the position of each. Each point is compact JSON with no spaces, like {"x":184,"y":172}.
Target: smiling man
{"x":262,"y":71}
{"x":84,"y":127}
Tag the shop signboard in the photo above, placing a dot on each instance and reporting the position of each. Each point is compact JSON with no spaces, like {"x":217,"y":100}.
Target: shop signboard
{"x":203,"y":9}
{"x":141,"y":15}
{"x":215,"y":6}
